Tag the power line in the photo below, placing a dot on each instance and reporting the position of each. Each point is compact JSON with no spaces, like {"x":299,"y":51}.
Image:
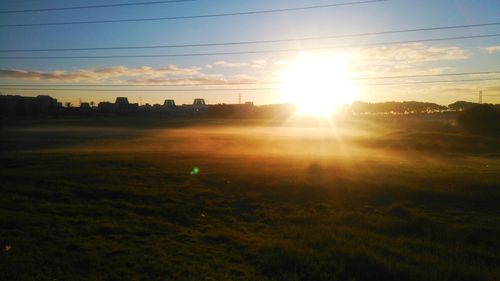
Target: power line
{"x":252,"y":42}
{"x":222,"y":83}
{"x":93,"y":6}
{"x":432,"y":82}
{"x":254,"y":52}
{"x":429,"y":75}
{"x":31,"y":1}
{"x":234,"y":89}
{"x":137,"y":90}
{"x":196,"y":16}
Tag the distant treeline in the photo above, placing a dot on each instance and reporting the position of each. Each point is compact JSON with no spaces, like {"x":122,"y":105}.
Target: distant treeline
{"x":406,"y":107}
{"x":410,"y":107}
{"x":481,"y":119}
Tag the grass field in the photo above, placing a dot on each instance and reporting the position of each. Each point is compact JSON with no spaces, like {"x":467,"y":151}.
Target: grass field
{"x":381,"y":198}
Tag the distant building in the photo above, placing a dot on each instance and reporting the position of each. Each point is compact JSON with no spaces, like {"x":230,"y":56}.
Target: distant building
{"x":157,"y":107}
{"x":45,"y":103}
{"x":18,"y":105}
{"x":105,"y":107}
{"x":199,"y":107}
{"x":199,"y":102}
{"x":123,"y":106}
{"x":123,"y":101}
{"x":169,"y":104}
{"x":85,"y":107}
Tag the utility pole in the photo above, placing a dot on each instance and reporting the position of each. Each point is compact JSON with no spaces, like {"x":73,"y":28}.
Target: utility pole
{"x":480,"y":97}
{"x":239,"y":98}
{"x":140,"y":101}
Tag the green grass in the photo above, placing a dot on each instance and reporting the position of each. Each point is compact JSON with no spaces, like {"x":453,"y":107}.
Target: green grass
{"x":401,"y":202}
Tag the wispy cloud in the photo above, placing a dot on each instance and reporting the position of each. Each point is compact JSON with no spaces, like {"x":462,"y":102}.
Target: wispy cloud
{"x":491,"y":49}
{"x":256,"y":64}
{"x":230,"y":64}
{"x":411,"y":53}
{"x":367,"y":70}
{"x":213,"y":79}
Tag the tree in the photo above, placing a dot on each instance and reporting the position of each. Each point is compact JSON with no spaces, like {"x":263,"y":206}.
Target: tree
{"x":482,"y":119}
{"x":68,"y":104}
{"x":462,"y":105}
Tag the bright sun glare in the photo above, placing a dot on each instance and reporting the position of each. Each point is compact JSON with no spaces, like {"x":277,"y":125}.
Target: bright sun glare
{"x":318,"y":85}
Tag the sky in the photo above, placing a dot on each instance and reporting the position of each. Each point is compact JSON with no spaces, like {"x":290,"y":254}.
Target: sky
{"x":416,"y":58}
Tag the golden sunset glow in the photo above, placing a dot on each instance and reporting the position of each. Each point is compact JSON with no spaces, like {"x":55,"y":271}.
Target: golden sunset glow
{"x":249,"y":140}
{"x":318,"y":85}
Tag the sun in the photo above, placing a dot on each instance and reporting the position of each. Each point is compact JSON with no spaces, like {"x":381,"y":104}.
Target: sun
{"x":318,"y":85}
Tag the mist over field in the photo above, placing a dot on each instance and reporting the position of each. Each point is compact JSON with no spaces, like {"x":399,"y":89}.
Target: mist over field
{"x":379,"y":198}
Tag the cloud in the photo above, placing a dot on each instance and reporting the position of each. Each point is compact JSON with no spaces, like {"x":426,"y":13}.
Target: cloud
{"x":243,"y":78}
{"x":491,"y":49}
{"x":52,"y":76}
{"x":166,"y":75}
{"x":174,"y":70}
{"x":112,"y":69}
{"x":367,"y":70}
{"x":258,"y":64}
{"x":255,"y":64}
{"x":179,"y":81}
{"x":400,"y":60}
{"x":282,"y":63}
{"x":410,"y":53}
{"x":99,"y":74}
{"x":230,"y":64}
{"x":406,"y":59}
{"x":216,"y":79}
